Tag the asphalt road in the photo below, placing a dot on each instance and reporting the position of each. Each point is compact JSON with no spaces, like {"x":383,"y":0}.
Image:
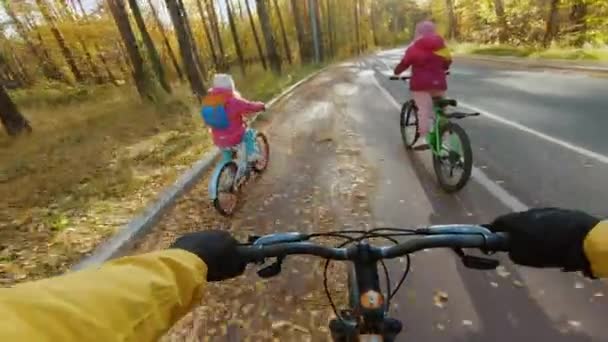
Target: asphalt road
{"x":539,"y":144}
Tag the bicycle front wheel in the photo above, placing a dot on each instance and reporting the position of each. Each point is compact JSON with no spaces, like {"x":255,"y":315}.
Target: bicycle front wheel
{"x":409,"y":124}
{"x":264,"y":152}
{"x":454,"y":161}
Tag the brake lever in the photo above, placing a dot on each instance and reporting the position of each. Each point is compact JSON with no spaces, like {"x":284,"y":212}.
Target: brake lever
{"x":476,"y":262}
{"x":271,"y":270}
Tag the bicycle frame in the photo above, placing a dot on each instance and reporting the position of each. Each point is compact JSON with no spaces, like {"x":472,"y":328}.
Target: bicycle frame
{"x":367,"y":320}
{"x":227,"y":158}
{"x":439,"y":120}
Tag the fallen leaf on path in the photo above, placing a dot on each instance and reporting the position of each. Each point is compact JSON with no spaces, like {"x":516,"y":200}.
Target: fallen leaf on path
{"x":440,"y":326}
{"x":574,"y":324}
{"x":502,"y":271}
{"x":440,"y":298}
{"x":287,"y":324}
{"x":467,"y":323}
{"x":518,"y":283}
{"x":493,"y":284}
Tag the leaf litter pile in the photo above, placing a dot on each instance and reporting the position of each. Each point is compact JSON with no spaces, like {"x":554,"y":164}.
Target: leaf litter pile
{"x":316,"y":182}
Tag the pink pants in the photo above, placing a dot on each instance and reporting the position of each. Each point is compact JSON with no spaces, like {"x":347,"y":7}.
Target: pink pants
{"x":424,"y":102}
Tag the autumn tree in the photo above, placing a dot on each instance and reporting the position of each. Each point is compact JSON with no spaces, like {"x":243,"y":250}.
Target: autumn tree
{"x":168,"y":47}
{"x":235,"y":37}
{"x":121,"y":18}
{"x":208,"y":32}
{"x":186,"y":48}
{"x":283,"y":32}
{"x":150,"y":47}
{"x":67,"y":53}
{"x":50,"y":70}
{"x":254,"y":31}
{"x":12,"y":120}
{"x":298,"y":18}
{"x":271,"y":47}
{"x":552,"y":23}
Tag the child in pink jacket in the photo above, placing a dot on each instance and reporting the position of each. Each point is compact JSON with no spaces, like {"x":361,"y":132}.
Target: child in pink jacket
{"x":430,"y":59}
{"x":236,"y":109}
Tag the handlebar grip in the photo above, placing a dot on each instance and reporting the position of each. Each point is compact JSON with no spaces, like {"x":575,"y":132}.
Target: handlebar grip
{"x":394,"y":78}
{"x":498,"y":242}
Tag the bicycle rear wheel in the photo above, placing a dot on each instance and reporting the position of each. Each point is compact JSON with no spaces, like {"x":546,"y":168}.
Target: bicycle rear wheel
{"x":409,"y":124}
{"x":454,"y":162}
{"x":226,"y":197}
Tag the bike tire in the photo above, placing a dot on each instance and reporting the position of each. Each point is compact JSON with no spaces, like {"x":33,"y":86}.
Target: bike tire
{"x":262,"y":143}
{"x":229,"y":169}
{"x":408,"y":118}
{"x":467,"y":155}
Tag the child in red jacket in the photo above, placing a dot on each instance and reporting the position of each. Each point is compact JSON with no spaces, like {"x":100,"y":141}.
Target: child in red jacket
{"x":430,"y":59}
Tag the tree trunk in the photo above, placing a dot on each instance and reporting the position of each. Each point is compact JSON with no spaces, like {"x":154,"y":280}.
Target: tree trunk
{"x":65,"y":50}
{"x":315,"y":7}
{"x":499,"y":9}
{"x":119,"y":13}
{"x":373,"y":23}
{"x":185,"y":47}
{"x":208,"y":34}
{"x":271,"y":48}
{"x":159,"y":70}
{"x":240,"y":6}
{"x":452,"y":21}
{"x":106,"y":65}
{"x":49,"y":69}
{"x":98,"y":49}
{"x":216,"y":30}
{"x":66,"y":14}
{"x":304,"y":49}
{"x":330,"y":29}
{"x":552,"y":26}
{"x":578,"y":14}
{"x":161,"y":28}
{"x":357,"y":36}
{"x":193,"y":43}
{"x":13,"y":121}
{"x":255,"y":35}
{"x":283,"y":32}
{"x":235,"y":37}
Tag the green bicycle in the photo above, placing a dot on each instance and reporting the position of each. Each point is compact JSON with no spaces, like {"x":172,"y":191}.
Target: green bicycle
{"x":448,"y":141}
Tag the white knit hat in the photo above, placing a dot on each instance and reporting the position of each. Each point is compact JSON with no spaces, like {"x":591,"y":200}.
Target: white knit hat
{"x":223,"y":81}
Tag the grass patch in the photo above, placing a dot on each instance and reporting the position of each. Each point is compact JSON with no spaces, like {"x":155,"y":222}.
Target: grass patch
{"x":556,"y":53}
{"x":96,"y":157}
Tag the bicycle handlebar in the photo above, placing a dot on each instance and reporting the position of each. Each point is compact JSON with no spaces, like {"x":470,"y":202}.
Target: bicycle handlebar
{"x":450,"y":236}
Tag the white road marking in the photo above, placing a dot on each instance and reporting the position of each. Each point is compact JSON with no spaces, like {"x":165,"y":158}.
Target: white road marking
{"x":578,"y":149}
{"x":496,"y":190}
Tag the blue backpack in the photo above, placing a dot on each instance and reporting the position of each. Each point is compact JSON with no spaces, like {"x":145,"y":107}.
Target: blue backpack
{"x":214,"y":112}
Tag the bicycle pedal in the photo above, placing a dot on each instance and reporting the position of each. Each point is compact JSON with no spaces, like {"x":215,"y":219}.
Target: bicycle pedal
{"x":424,"y":147}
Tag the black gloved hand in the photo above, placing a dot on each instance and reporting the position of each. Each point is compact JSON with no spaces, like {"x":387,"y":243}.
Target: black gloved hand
{"x":547,"y":237}
{"x":218,"y":249}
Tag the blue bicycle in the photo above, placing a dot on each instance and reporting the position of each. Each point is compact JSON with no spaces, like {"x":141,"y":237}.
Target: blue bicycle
{"x":237,"y":165}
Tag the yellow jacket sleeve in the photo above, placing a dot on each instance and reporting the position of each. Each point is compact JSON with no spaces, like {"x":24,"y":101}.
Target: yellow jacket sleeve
{"x":136,"y":298}
{"x":596,"y":249}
